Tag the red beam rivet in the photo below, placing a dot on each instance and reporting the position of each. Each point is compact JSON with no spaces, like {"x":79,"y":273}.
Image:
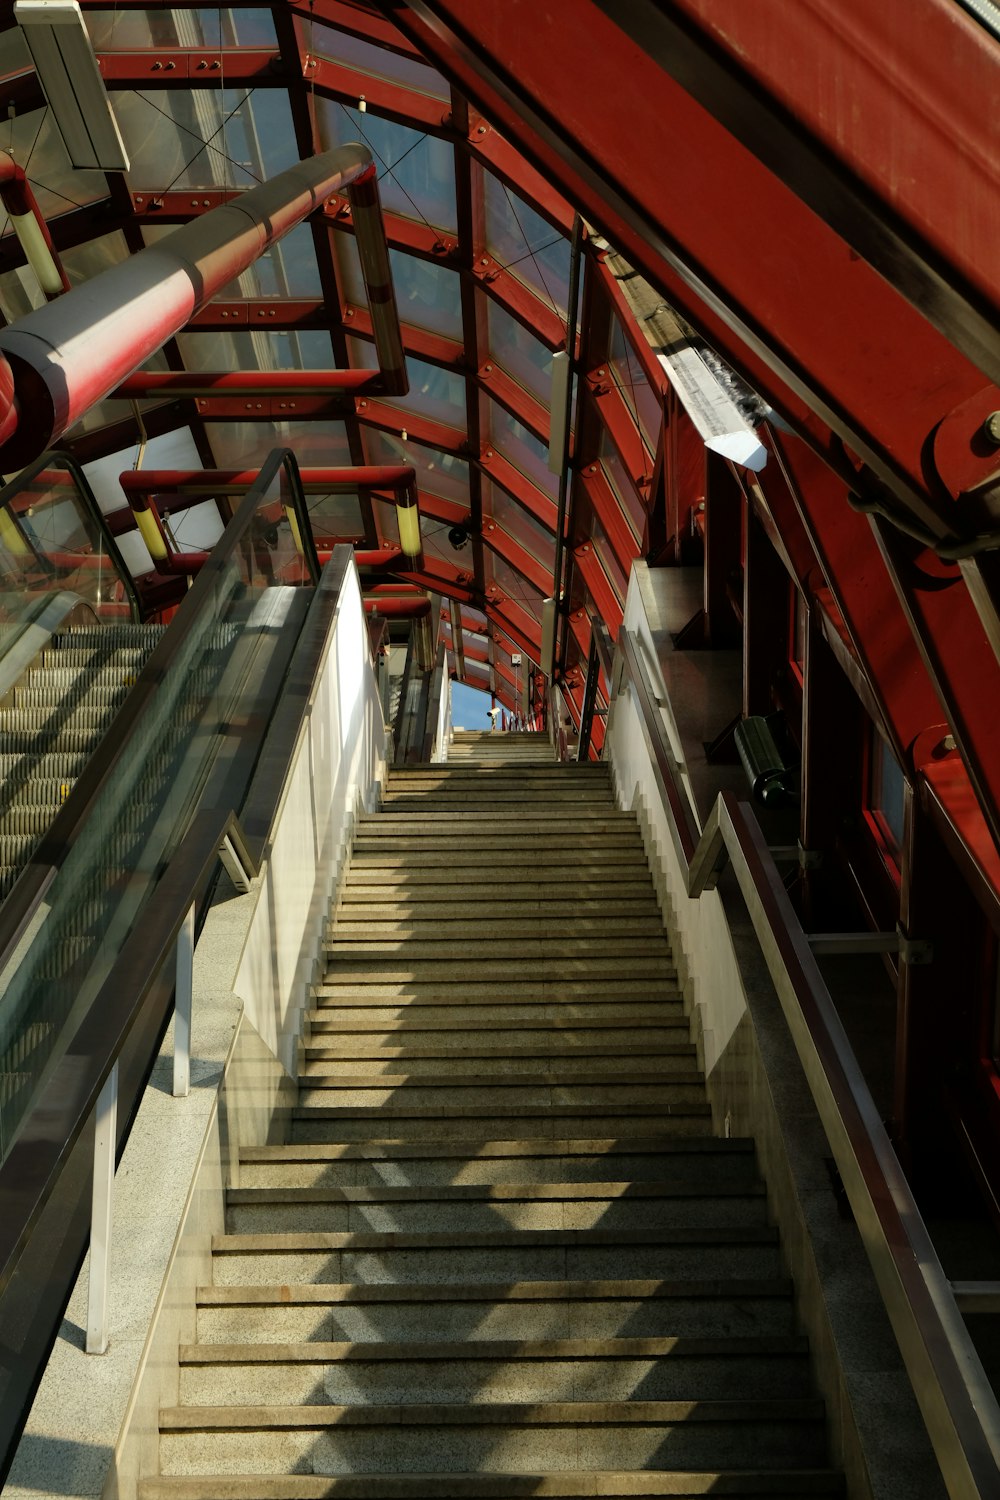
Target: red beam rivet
{"x":991,"y":428}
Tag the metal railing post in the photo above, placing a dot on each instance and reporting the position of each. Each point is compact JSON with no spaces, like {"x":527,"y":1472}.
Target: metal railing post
{"x":183,"y":991}
{"x":105,"y":1137}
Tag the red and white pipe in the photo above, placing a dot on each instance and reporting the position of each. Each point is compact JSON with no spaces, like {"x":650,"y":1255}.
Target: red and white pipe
{"x":63,"y":358}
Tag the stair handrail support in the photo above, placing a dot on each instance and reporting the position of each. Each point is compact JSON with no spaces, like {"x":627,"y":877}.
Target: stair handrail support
{"x":951,"y":1387}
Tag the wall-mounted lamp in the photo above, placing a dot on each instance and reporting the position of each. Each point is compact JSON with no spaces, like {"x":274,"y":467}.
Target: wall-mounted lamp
{"x":71,"y":82}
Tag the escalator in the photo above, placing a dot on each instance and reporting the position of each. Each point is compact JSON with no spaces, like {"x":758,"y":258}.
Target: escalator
{"x":114,"y":731}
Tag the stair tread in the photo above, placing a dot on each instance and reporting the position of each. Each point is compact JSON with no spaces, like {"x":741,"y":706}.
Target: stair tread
{"x":320,"y":1239}
{"x":804,"y":1408}
{"x":335,"y":1293}
{"x":747,"y":1345}
{"x":565,"y":1484}
{"x":500,"y":1193}
{"x":373,"y":1149}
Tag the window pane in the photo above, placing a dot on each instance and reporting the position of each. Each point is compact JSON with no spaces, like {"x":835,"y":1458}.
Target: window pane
{"x":517,"y":523}
{"x":518,"y":352}
{"x":366,"y":57}
{"x":523,"y":449}
{"x":526,"y":244}
{"x":416,"y":172}
{"x":437,"y":473}
{"x":640,"y":398}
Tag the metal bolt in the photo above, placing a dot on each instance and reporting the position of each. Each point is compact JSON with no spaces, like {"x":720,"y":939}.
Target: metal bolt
{"x":991,"y":428}
{"x":194,"y":203}
{"x":157,"y":66}
{"x":271,"y":313}
{"x":488,"y":369}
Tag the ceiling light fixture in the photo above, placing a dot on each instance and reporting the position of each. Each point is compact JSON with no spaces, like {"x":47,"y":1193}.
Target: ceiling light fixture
{"x":71,"y":82}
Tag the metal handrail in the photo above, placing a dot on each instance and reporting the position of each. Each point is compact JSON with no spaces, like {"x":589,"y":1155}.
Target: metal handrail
{"x":31,"y":1176}
{"x":951,"y":1387}
{"x":29,"y":889}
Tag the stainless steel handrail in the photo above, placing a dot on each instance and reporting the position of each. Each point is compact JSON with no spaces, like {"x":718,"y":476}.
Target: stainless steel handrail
{"x":949,"y":1382}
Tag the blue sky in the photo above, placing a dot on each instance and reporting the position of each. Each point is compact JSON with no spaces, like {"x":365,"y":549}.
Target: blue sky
{"x":468,"y":707}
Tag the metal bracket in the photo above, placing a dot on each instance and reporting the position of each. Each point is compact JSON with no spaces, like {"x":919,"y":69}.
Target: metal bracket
{"x":916,"y":951}
{"x":809,"y":859}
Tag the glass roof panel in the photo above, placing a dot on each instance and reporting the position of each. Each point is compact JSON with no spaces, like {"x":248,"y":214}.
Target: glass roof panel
{"x":437,"y":473}
{"x":427,"y":294}
{"x":83,"y":262}
{"x":526,"y":244}
{"x":337,"y":516}
{"x":196,"y":529}
{"x":205,"y":138}
{"x":517,"y":523}
{"x":639,"y":396}
{"x":515,"y":350}
{"x":366,"y":57}
{"x":34,"y":141}
{"x":516,"y":587}
{"x":116,"y":30}
{"x":620,"y":481}
{"x":245,"y":445}
{"x":255,"y":349}
{"x":523,"y":449}
{"x":19,"y":293}
{"x":362,"y":354}
{"x":605,"y":553}
{"x":171,"y":450}
{"x":416,"y":172}
{"x":385,"y":520}
{"x":434,"y":393}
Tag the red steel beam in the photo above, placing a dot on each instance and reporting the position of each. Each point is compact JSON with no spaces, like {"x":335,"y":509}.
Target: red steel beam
{"x":814,"y":328}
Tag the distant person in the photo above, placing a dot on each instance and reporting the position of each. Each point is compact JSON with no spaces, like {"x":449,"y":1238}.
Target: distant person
{"x":492,"y":712}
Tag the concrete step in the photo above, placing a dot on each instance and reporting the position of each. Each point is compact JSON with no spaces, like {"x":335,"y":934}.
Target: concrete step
{"x":379,"y":907}
{"x":430,"y":927}
{"x":618,"y":1206}
{"x":477,"y":855}
{"x":387,"y":1011}
{"x":508,"y":946}
{"x":540,"y":1061}
{"x":366,"y":1313}
{"x":560,"y":967}
{"x":480,"y":1091}
{"x":501,"y":1438}
{"x":759,"y":1484}
{"x":428,"y":1023}
{"x":510,"y":795}
{"x":622,"y":893}
{"x":700,"y":1161}
{"x":374,"y":875}
{"x":486,"y":1372}
{"x":430,"y":1123}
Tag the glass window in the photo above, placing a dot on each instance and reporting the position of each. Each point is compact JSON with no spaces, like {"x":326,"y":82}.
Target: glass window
{"x":427,"y":295}
{"x":437,"y":473}
{"x":206,"y":138}
{"x":886,"y":793}
{"x":245,"y":445}
{"x":621,"y":482}
{"x":34,"y":141}
{"x":517,"y":523}
{"x":416,"y":172}
{"x":514,"y":586}
{"x":523,"y":449}
{"x":366,"y":57}
{"x":640,"y":398}
{"x":434,"y":393}
{"x":526,"y":244}
{"x":84,"y":262}
{"x":132,"y":30}
{"x":517,"y":351}
{"x":171,"y":450}
{"x":617,"y":575}
{"x":336,"y":516}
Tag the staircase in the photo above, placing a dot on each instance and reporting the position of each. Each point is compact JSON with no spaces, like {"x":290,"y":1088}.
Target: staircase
{"x":503,"y":1254}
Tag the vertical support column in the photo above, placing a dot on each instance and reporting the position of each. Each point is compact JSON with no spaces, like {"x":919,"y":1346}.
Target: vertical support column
{"x":105,"y":1137}
{"x":832,"y":731}
{"x":183,"y":991}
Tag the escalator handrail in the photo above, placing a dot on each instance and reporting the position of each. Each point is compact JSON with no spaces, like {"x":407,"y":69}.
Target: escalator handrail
{"x":56,"y":457}
{"x":954,"y":1394}
{"x":28,"y":891}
